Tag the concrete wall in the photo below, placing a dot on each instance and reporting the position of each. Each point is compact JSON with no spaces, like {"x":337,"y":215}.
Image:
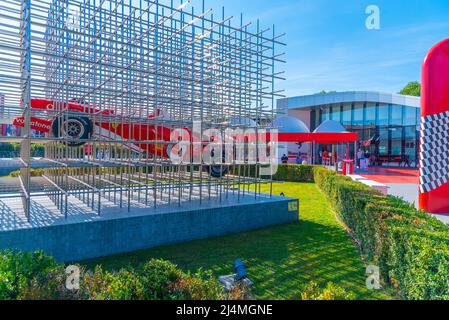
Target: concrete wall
{"x":78,"y":241}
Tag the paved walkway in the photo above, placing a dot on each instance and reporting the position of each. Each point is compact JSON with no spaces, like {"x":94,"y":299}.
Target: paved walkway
{"x":391,"y":175}
{"x":408,"y":192}
{"x":401,"y":182}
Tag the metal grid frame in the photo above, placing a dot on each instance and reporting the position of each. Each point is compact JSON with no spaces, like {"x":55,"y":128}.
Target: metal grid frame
{"x":151,"y":64}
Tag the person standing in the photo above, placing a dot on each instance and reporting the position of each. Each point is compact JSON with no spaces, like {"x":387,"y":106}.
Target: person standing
{"x":359,"y":157}
{"x":367,"y":159}
{"x":326,"y":157}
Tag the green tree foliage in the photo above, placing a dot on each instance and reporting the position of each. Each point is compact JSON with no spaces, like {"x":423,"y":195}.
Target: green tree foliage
{"x":412,"y":89}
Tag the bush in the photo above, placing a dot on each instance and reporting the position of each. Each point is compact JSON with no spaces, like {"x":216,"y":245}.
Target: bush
{"x":50,"y":285}
{"x":159,"y":276}
{"x":199,"y":286}
{"x":312,"y":291}
{"x":18,"y":270}
{"x":33,"y":173}
{"x":36,"y":276}
{"x":154,"y":280}
{"x":12,"y":150}
{"x":295,"y":173}
{"x":123,"y":285}
{"x":410,"y":247}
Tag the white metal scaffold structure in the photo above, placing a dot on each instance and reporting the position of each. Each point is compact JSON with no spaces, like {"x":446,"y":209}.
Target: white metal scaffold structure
{"x":110,"y":80}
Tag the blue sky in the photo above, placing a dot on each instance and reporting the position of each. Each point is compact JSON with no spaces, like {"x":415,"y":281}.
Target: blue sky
{"x":329,"y":47}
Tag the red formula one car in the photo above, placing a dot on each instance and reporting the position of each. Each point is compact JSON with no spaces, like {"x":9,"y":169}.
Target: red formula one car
{"x":77,"y":126}
{"x":78,"y":123}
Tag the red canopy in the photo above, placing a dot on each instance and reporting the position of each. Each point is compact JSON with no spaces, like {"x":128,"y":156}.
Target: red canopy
{"x":329,"y":132}
{"x":319,"y":138}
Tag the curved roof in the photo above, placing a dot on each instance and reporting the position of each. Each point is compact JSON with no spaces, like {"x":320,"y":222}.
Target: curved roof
{"x":294,"y":130}
{"x":242,"y":121}
{"x":287,"y":124}
{"x":348,"y":97}
{"x":330,"y":126}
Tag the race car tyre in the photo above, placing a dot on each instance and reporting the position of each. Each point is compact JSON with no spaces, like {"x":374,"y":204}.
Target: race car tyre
{"x":218,"y":171}
{"x":74,"y":129}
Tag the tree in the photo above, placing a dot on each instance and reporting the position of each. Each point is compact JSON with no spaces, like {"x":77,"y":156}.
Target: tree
{"x":326,"y":92}
{"x":412,"y":89}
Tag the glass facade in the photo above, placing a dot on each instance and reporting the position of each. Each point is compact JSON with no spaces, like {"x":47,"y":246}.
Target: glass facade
{"x":390,"y":132}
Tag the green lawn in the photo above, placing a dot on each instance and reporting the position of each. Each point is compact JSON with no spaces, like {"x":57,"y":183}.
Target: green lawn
{"x":280,"y":259}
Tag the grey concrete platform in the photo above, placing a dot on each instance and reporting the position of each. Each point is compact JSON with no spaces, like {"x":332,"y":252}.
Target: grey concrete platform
{"x":85,"y":235}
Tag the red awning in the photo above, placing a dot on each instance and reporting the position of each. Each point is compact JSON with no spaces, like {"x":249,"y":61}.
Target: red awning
{"x":334,"y":137}
{"x":294,"y":137}
{"x":319,"y":138}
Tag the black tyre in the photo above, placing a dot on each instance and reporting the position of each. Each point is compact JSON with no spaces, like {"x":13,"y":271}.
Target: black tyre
{"x":218,"y":171}
{"x":74,"y":129}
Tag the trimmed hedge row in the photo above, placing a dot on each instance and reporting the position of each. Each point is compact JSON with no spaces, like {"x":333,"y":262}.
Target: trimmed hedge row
{"x":410,"y":247}
{"x":10,"y":150}
{"x":36,"y":276}
{"x":295,"y":173}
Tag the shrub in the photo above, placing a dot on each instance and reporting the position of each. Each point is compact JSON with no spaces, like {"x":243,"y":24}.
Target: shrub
{"x":154,"y":280}
{"x":33,"y":173}
{"x":36,"y":276}
{"x":123,"y":285}
{"x":295,"y":173}
{"x":312,"y":291}
{"x":50,"y":285}
{"x":11,"y":150}
{"x":199,"y":286}
{"x":159,"y":277}
{"x":17,"y":271}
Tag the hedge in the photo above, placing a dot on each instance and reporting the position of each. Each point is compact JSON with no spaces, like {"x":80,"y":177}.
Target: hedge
{"x":295,"y":173}
{"x":12,"y":150}
{"x":410,"y":247}
{"x":36,"y":276}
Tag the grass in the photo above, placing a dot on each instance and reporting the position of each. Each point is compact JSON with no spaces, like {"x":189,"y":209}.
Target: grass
{"x":280,"y":259}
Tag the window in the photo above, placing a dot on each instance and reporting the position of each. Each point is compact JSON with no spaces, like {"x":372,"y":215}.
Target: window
{"x":396,"y":115}
{"x":370,"y":114}
{"x":325,"y":114}
{"x":336,"y":113}
{"x":346,"y":114}
{"x":410,"y":132}
{"x":358,"y":115}
{"x":383,"y":141}
{"x":384,"y":111}
{"x":410,"y":116}
{"x":411,"y":145}
{"x":396,"y":141}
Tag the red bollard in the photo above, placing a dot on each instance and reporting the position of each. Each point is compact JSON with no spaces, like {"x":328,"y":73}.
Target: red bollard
{"x":434,"y":144}
{"x":348,"y":167}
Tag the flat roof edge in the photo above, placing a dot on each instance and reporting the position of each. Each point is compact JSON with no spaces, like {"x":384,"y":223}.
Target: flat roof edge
{"x":306,"y":101}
